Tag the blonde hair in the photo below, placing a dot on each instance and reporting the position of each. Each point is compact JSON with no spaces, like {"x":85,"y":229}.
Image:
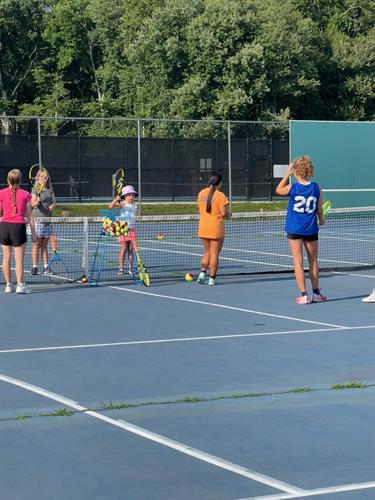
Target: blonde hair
{"x":303,"y":167}
{"x":44,"y":171}
{"x":14,"y":180}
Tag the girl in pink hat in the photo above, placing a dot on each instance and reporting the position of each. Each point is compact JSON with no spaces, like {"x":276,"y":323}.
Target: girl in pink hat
{"x":128,"y":211}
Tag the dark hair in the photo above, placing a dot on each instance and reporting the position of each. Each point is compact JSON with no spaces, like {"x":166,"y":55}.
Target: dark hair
{"x":213,"y":181}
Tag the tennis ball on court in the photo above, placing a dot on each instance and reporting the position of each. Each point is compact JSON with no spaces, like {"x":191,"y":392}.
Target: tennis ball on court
{"x":189,"y":277}
{"x":160,"y":236}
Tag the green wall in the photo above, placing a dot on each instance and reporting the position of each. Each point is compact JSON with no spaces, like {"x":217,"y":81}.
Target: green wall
{"x":343,"y":155}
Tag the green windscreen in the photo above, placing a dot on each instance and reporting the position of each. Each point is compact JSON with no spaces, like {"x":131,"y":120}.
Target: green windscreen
{"x":343,"y":155}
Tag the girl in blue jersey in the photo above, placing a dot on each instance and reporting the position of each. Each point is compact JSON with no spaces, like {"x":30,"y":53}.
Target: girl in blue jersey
{"x":304,"y":211}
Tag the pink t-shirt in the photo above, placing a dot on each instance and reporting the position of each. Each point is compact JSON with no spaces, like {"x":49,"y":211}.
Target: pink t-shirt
{"x":6,"y":207}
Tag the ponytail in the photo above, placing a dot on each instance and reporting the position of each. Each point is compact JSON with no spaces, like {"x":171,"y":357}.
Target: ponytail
{"x":14,"y":201}
{"x":14,"y":180}
{"x":214,"y":181}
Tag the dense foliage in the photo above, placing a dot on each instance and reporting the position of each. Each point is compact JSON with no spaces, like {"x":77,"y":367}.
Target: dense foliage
{"x":195,"y":59}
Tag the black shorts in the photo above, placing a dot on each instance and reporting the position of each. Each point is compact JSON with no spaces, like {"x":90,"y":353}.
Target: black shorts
{"x":304,"y":237}
{"x":12,"y":234}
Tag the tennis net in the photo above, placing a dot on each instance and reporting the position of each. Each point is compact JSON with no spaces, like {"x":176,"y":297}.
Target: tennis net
{"x":254,"y":243}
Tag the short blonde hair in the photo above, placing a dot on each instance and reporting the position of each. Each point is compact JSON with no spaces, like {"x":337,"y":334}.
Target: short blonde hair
{"x":303,"y":167}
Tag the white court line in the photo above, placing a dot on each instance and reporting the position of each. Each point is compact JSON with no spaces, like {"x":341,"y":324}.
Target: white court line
{"x":232,"y":308}
{"x":183,"y":339}
{"x":164,"y":441}
{"x":320,"y":491}
{"x":162,"y":341}
{"x":355,"y":274}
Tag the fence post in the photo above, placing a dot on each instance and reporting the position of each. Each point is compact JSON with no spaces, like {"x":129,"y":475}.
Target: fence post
{"x":39,"y":143}
{"x":85,"y":249}
{"x":230,"y":166}
{"x":79,"y":170}
{"x":139,"y":166}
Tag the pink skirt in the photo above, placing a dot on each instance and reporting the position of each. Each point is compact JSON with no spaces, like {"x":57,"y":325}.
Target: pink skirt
{"x":132,"y":233}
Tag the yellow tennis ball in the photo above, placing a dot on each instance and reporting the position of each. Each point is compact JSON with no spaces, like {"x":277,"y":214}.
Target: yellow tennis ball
{"x":189,"y":277}
{"x":160,"y":236}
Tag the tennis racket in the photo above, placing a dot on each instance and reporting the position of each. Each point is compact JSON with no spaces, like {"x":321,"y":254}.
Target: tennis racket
{"x":118,"y":179}
{"x":33,"y":171}
{"x":57,"y":269}
{"x":327,"y":207}
{"x":142,"y":271}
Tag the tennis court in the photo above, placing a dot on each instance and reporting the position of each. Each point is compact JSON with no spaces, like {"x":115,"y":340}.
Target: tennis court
{"x":183,"y":391}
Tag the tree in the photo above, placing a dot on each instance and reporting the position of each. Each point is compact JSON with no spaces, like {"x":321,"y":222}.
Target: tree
{"x":294,"y":51}
{"x":21,"y":47}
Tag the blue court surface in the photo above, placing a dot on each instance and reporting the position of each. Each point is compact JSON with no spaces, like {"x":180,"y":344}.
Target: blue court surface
{"x":181,"y":391}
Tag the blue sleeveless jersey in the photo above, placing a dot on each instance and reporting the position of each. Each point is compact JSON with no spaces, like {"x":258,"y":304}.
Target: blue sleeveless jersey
{"x":301,"y":216}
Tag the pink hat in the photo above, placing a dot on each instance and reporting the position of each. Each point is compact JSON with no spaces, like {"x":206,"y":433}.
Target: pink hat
{"x":128,"y":190}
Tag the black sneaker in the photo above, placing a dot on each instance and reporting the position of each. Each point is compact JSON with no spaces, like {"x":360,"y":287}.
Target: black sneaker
{"x":34,"y":270}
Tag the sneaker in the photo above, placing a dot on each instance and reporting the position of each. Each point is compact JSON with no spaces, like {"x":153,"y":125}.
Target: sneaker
{"x":201,"y":278}
{"x":34,"y":270}
{"x":318,"y":297}
{"x":212,"y":281}
{"x":22,"y":288}
{"x":303,"y":300}
{"x":120,"y":271}
{"x":9,"y":288}
{"x":370,"y":298}
{"x":45,"y":270}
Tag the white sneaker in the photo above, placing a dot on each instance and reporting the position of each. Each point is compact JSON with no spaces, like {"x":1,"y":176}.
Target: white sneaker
{"x":9,"y":288}
{"x":201,"y":278}
{"x":212,"y":281}
{"x":370,"y":298}
{"x":22,"y":288}
{"x":318,"y":297}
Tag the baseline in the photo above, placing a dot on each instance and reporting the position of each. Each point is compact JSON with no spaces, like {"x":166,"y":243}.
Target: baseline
{"x":186,"y":339}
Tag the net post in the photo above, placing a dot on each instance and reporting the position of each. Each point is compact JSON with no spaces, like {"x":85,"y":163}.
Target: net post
{"x":139,"y":167}
{"x":230,"y":166}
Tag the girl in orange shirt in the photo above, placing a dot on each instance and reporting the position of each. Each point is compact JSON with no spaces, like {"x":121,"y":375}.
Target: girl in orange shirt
{"x":213,"y":209}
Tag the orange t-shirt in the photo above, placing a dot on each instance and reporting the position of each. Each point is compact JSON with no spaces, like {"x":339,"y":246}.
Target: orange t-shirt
{"x":211,"y":225}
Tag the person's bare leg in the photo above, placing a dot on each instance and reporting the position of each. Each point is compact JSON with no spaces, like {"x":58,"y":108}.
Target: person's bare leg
{"x":121,"y":257}
{"x":35,"y":252}
{"x":296,"y":249}
{"x":19,"y":254}
{"x":312,"y":256}
{"x":44,"y":251}
{"x":205,"y":261}
{"x":215,"y":249}
{"x":7,"y":256}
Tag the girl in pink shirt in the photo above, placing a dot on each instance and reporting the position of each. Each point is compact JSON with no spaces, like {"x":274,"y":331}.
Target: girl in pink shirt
{"x":14,"y":207}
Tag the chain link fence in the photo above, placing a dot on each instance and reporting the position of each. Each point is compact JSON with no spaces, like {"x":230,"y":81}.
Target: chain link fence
{"x":165,"y":160}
